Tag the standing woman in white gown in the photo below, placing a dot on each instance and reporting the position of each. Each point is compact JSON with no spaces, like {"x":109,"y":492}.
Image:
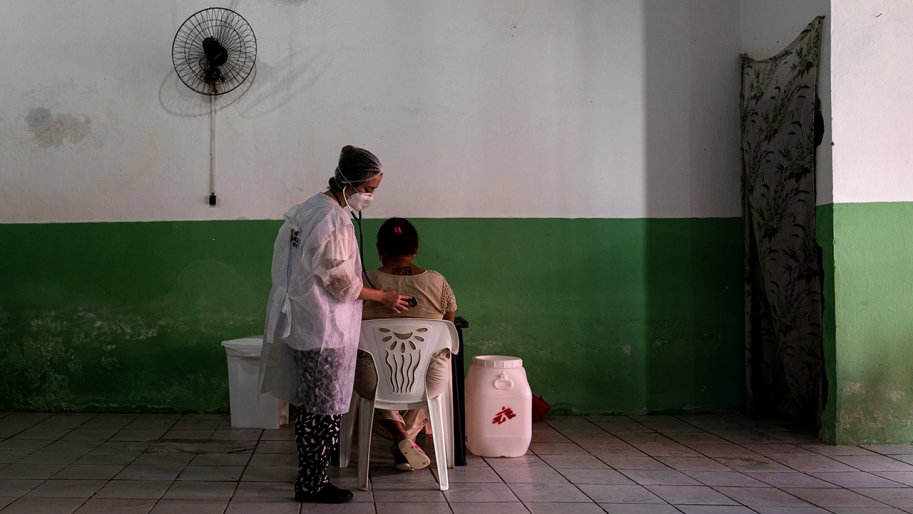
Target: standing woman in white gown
{"x":313,"y":318}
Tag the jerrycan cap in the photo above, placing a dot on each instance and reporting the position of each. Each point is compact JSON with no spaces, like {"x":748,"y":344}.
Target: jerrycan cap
{"x":497,"y":361}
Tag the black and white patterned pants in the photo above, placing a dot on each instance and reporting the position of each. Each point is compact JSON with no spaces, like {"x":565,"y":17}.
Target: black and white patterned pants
{"x":316,"y":436}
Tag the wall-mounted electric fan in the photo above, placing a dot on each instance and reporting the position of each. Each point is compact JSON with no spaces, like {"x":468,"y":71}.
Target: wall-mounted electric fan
{"x":214,"y":52}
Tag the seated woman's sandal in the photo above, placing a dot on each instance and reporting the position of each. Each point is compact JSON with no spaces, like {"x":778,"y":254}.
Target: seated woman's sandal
{"x":414,"y":455}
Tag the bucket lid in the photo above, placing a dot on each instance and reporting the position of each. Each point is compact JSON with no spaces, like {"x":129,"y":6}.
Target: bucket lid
{"x":246,"y":347}
{"x":497,"y":361}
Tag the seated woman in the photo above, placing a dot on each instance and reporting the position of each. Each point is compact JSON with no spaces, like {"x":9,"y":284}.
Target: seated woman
{"x":397,"y":245}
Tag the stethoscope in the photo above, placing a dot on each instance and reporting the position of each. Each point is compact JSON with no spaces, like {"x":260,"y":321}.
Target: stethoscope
{"x":361,"y":251}
{"x":361,"y":236}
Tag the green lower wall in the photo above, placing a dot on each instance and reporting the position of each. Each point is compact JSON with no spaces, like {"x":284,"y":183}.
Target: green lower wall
{"x":610,"y":316}
{"x":869,"y":323}
{"x":120,"y":316}
{"x":825,"y":236}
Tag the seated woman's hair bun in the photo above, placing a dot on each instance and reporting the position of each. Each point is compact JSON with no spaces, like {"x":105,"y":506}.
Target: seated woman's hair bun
{"x":397,"y":237}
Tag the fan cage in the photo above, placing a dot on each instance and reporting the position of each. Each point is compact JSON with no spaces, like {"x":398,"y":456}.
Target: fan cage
{"x":231,"y":31}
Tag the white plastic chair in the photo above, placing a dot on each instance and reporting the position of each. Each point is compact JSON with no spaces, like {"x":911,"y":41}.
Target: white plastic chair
{"x":402,"y":350}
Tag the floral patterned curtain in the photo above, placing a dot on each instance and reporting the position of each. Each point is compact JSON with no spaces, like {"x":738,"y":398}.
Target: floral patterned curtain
{"x":783,"y":344}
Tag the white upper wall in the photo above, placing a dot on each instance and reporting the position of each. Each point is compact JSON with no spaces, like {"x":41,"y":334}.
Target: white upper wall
{"x":769,"y":26}
{"x":873,"y":103}
{"x":477,"y":108}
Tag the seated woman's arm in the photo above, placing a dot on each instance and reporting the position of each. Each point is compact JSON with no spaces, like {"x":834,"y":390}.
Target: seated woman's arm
{"x":448,"y":302}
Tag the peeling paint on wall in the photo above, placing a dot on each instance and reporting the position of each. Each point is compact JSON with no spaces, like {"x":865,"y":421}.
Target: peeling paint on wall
{"x":126,"y":322}
{"x":869,"y":351}
{"x":875,"y":414}
{"x":49,"y":129}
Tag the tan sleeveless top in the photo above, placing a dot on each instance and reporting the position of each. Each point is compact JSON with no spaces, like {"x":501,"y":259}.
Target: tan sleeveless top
{"x":429,"y":288}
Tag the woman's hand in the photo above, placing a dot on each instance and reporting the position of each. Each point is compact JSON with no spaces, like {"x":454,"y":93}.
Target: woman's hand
{"x":389,"y":297}
{"x":395,"y":301}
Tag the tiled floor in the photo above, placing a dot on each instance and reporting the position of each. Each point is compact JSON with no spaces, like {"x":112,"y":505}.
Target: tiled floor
{"x":160,"y":463}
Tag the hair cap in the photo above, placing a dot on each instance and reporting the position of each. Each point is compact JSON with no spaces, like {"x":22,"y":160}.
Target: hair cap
{"x":356,"y":165}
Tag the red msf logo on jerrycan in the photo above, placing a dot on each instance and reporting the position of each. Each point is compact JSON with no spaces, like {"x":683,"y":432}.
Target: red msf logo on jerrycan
{"x":503,"y":415}
{"x":498,"y":407}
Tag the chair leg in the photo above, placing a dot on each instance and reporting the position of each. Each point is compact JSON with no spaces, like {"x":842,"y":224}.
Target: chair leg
{"x":435,"y":412}
{"x":365,"y":420}
{"x":447,"y":407}
{"x":346,"y":432}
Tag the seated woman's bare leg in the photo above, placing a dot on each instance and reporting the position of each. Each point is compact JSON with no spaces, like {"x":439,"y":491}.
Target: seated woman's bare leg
{"x":407,"y":456}
{"x":397,"y":430}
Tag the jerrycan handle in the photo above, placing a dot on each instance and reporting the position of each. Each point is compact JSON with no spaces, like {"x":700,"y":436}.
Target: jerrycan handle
{"x":503,"y":382}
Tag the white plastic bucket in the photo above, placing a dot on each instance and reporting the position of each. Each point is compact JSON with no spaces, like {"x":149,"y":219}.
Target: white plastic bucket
{"x":249,"y":408}
{"x":499,"y":421}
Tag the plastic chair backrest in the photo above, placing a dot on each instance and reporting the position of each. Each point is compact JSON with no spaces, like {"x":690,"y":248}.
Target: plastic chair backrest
{"x":402,"y":349}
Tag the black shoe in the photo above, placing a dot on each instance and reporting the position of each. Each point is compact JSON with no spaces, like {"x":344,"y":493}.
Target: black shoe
{"x":329,"y":494}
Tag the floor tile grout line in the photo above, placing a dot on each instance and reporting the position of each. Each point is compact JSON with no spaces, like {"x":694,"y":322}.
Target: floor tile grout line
{"x":577,"y":486}
{"x":772,"y":458}
{"x":711,"y":487}
{"x":741,"y":445}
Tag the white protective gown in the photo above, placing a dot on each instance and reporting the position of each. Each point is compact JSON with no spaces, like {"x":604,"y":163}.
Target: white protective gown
{"x":313,"y":317}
